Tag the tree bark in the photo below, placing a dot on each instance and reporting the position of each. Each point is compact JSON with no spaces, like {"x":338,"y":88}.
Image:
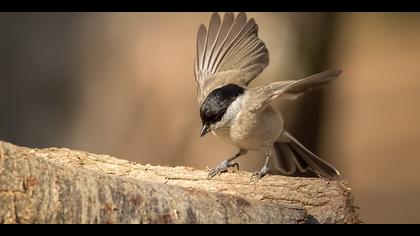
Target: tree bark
{"x":58,"y":185}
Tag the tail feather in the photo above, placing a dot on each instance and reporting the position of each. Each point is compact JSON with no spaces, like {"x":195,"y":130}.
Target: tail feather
{"x":284,"y":158}
{"x":292,"y":155}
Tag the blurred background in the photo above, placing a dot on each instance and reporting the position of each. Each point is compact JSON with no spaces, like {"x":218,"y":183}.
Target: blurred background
{"x":123,"y":84}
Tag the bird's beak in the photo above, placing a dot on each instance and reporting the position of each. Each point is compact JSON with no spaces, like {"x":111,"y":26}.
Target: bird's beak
{"x":204,"y":130}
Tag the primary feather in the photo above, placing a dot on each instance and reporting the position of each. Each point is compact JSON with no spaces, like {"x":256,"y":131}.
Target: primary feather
{"x":288,"y":89}
{"x":228,"y":52}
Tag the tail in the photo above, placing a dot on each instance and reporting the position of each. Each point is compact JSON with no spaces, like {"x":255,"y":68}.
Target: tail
{"x":291,"y":156}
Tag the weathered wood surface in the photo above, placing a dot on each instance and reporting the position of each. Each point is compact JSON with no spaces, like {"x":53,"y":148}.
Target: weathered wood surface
{"x":56,"y":185}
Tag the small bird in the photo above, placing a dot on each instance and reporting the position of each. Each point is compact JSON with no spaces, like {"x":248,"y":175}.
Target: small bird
{"x":229,"y":56}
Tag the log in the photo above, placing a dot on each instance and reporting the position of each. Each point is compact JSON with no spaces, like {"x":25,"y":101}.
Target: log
{"x":59,"y":185}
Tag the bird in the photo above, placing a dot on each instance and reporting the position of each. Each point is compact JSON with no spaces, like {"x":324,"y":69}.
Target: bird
{"x":229,"y":56}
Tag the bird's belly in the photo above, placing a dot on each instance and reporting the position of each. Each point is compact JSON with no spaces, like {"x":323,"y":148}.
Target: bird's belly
{"x":254,"y":131}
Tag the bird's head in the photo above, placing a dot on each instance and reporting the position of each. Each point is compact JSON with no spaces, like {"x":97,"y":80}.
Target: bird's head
{"x":214,"y":108}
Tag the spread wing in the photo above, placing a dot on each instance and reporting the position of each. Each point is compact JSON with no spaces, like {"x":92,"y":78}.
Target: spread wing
{"x":289,"y":89}
{"x":228,"y":52}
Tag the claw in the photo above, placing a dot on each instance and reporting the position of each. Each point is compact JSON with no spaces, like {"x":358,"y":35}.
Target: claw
{"x":257,"y":175}
{"x":233,"y":164}
{"x":217,"y":171}
{"x":213,"y":172}
{"x":222,"y":167}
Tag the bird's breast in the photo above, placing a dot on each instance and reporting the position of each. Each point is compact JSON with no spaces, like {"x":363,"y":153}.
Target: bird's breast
{"x":253,"y":131}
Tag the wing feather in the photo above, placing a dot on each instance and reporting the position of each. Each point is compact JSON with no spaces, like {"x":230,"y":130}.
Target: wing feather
{"x":235,"y":29}
{"x":228,"y":52}
{"x":201,"y":44}
{"x":263,"y":95}
{"x":212,"y":38}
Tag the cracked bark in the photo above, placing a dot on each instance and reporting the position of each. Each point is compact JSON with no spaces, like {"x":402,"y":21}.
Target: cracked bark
{"x":66,"y":186}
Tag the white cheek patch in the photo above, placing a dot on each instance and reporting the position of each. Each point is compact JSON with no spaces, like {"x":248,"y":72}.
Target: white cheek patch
{"x":233,"y":110}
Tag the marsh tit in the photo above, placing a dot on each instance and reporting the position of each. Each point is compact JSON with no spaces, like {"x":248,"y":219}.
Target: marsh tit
{"x":229,"y":56}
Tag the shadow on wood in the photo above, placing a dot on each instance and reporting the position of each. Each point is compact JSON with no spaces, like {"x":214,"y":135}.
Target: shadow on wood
{"x":65,"y":186}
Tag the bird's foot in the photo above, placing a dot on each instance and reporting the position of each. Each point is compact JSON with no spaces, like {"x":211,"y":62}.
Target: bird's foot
{"x":259,"y":174}
{"x":222,"y":167}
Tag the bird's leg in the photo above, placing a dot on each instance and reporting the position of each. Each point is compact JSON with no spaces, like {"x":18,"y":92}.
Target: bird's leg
{"x":224,"y":165}
{"x":264,"y":170}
